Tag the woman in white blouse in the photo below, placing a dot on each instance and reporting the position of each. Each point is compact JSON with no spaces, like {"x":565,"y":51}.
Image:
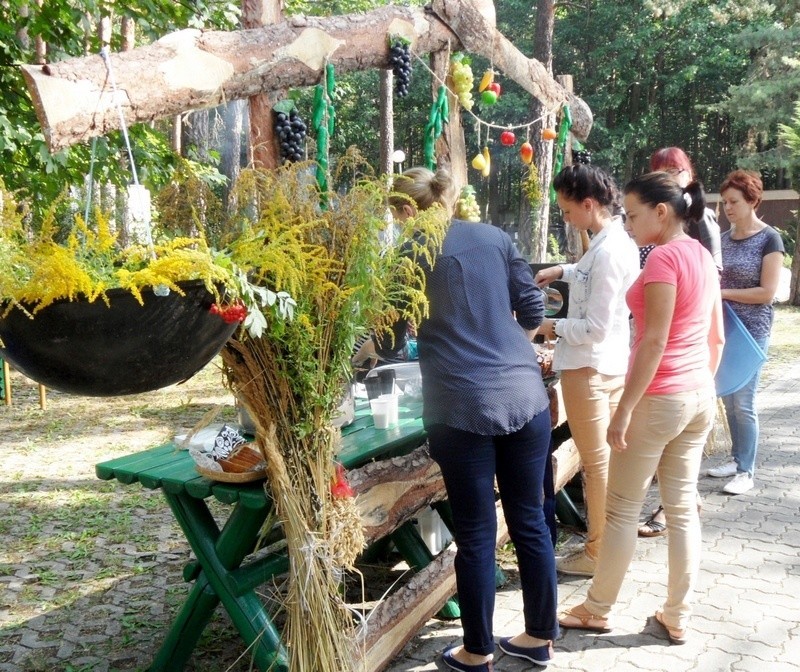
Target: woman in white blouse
{"x":593,"y":344}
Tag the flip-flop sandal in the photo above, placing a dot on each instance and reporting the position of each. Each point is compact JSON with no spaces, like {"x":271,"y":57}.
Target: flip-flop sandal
{"x":674,"y":635}
{"x":570,"y":620}
{"x":652,"y":527}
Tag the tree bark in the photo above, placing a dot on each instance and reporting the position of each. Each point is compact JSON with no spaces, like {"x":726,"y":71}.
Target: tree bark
{"x":794,"y":284}
{"x":263,"y":151}
{"x":535,"y":222}
{"x":451,"y":147}
{"x":386,"y":120}
{"x":191,"y":69}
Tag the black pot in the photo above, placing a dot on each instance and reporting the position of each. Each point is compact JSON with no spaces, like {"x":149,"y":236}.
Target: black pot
{"x":101,"y":350}
{"x":560,"y":286}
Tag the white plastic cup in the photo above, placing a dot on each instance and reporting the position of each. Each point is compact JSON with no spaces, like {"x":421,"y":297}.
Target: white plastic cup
{"x":393,"y":402}
{"x":380,"y":413}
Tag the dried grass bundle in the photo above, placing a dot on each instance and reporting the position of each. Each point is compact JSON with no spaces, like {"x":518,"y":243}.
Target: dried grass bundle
{"x":291,"y":378}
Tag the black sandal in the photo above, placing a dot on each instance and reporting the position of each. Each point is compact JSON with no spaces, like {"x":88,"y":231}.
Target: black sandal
{"x":651,"y":527}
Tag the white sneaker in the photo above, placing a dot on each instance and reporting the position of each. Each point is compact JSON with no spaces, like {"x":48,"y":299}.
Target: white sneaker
{"x":723,"y":470}
{"x":739,"y":484}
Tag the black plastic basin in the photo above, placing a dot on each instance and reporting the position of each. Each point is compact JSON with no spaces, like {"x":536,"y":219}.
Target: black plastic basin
{"x":126,"y":348}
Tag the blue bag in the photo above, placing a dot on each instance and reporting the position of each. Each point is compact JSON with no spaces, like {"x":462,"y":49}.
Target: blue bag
{"x":741,"y":356}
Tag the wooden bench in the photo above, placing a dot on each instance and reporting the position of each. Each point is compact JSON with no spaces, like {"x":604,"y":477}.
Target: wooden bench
{"x":394,"y":477}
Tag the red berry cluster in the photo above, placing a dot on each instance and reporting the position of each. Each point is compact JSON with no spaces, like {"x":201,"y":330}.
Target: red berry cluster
{"x":230,"y":314}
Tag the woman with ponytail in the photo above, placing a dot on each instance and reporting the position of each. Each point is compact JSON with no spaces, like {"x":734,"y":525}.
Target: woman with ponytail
{"x":668,"y":406}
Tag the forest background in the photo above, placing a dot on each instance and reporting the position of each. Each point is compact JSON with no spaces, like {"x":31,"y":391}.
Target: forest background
{"x":719,"y":78}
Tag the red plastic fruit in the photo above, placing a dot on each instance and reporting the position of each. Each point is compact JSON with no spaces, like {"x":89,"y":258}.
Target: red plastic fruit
{"x":507,"y":138}
{"x":526,"y":152}
{"x":494,"y":86}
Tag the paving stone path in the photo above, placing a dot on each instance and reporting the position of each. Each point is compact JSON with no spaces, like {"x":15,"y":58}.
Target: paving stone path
{"x":747,"y":614}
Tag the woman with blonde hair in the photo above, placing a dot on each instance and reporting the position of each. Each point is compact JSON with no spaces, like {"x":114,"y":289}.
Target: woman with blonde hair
{"x":487,"y":416}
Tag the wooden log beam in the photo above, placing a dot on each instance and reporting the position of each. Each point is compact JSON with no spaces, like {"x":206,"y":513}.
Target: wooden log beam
{"x":392,"y":491}
{"x":192,"y":69}
{"x":401,"y":615}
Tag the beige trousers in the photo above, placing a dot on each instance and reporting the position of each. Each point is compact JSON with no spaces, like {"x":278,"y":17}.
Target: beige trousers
{"x":666,"y":435}
{"x":590,"y":400}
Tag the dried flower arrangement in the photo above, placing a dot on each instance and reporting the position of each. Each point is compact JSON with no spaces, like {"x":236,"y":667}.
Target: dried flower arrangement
{"x":342,"y":279}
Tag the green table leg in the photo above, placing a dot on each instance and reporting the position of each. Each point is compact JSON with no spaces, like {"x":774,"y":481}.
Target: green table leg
{"x":418,"y":555}
{"x":567,"y":513}
{"x":220,"y":554}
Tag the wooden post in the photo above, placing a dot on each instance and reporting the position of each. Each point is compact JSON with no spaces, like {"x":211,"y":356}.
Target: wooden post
{"x":577,"y":241}
{"x":6,"y":383}
{"x":263,"y":148}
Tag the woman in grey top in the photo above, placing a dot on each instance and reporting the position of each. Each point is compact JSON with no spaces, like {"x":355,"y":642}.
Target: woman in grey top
{"x":752,"y":256}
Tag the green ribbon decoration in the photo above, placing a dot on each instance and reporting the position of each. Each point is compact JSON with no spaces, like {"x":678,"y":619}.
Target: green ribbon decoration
{"x":561,"y":146}
{"x":438,"y":117}
{"x":323,"y":119}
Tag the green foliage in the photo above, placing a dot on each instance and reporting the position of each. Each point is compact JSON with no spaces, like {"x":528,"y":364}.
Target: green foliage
{"x":26,"y":165}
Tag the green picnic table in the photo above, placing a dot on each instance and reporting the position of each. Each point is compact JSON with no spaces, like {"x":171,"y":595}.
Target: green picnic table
{"x":222,"y":571}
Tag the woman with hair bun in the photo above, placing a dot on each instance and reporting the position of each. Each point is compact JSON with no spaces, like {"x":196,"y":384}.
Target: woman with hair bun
{"x":667,"y":408}
{"x":593,"y":341}
{"x":487,"y":416}
{"x":752,"y":252}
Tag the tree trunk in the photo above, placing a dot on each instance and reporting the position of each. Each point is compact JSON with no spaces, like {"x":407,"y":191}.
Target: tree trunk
{"x":192,"y":69}
{"x":794,"y":285}
{"x":263,"y":151}
{"x":535,"y":222}
{"x":451,"y":148}
{"x":386,"y":121}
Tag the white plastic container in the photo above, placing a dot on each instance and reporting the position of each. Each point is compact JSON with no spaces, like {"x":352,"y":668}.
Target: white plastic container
{"x":393,"y":408}
{"x":380,"y":413}
{"x":433,"y":531}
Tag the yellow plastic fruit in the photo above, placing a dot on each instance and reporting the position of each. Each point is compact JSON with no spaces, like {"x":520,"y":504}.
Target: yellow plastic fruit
{"x":487,"y":168}
{"x":488,"y":78}
{"x":479,"y":163}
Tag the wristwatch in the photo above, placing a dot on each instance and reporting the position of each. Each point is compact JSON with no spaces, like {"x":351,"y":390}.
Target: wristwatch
{"x":555,"y":324}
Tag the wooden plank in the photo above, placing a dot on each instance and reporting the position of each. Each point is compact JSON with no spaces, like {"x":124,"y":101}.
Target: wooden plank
{"x":566,"y":463}
{"x":400,"y":616}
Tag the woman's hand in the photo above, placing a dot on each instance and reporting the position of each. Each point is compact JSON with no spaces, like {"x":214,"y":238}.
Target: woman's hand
{"x":617,"y":430}
{"x":546,"y":329}
{"x":547,"y":275}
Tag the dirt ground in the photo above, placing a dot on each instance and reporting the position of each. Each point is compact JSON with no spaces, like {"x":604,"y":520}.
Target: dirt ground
{"x":90,"y":571}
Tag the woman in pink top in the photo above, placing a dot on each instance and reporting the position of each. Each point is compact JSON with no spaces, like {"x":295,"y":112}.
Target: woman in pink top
{"x":668,"y":405}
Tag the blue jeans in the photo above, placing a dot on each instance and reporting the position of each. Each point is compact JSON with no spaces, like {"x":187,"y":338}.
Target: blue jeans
{"x":740,"y":409}
{"x":469,"y":463}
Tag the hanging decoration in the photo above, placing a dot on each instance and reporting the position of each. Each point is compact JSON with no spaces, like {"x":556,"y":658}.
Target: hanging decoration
{"x":291,"y":131}
{"x":467,"y":205}
{"x":462,"y":78}
{"x":526,"y":152}
{"x":438,"y":117}
{"x":323,"y":119}
{"x":400,"y":60}
{"x":561,"y":145}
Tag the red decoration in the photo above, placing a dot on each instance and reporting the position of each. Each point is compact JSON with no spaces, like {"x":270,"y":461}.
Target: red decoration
{"x":507,"y":138}
{"x":340,"y":487}
{"x":526,"y":152}
{"x":234,"y":313}
{"x":494,"y":86}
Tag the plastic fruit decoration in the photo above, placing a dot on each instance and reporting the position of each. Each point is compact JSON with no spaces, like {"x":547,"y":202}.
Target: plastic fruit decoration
{"x":494,"y":86}
{"x":549,"y":134}
{"x":487,"y":168}
{"x":488,"y":97}
{"x":507,"y":138}
{"x":479,"y":163}
{"x":467,"y":207}
{"x":488,"y":78}
{"x":525,"y":152}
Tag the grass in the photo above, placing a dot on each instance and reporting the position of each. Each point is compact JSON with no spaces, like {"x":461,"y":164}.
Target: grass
{"x":784,"y":344}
